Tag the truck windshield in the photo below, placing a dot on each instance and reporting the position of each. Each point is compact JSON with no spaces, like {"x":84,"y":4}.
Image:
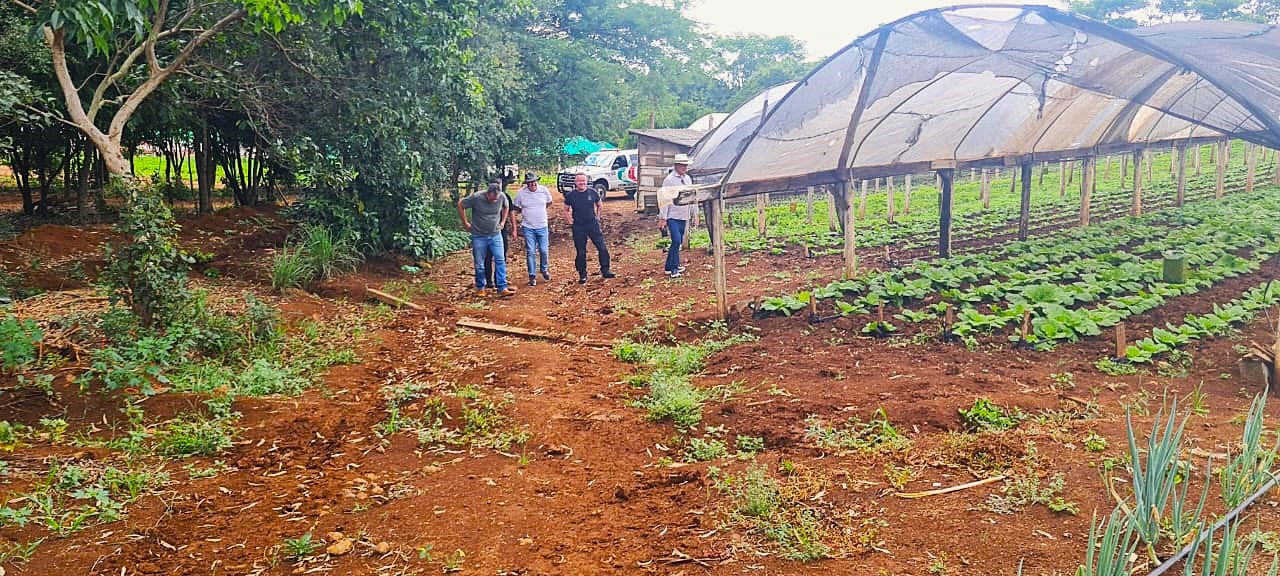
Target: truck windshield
{"x":598,"y":159}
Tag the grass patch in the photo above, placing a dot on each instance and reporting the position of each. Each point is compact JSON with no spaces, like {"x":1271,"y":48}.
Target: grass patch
{"x":985,"y":415}
{"x":874,"y":436}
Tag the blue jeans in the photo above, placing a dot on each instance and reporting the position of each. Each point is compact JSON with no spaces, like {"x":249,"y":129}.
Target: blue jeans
{"x":536,"y":240}
{"x":482,"y":246}
{"x":676,"y":227}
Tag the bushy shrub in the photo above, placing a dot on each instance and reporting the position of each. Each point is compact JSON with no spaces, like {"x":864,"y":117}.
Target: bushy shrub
{"x":18,"y":340}
{"x":149,"y":273}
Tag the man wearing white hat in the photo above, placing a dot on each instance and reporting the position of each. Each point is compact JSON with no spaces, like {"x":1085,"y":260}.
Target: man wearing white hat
{"x":674,"y":218}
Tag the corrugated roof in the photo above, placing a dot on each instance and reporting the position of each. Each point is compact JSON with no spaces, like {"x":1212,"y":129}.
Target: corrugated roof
{"x":681,"y":136}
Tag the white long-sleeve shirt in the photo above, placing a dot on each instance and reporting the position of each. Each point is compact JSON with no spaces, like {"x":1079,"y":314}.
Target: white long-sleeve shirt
{"x":672,"y":210}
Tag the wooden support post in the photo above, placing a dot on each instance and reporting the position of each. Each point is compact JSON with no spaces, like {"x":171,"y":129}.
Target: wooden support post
{"x":833,"y":212}
{"x":1124,"y":170}
{"x":1180,"y":157}
{"x":1173,"y":167}
{"x":1275,"y":179}
{"x":808,"y":203}
{"x":1024,"y":216}
{"x":906,"y":192}
{"x":888,"y":205}
{"x":716,"y":224}
{"x":850,"y":239}
{"x":1089,"y":172}
{"x":1251,"y":165}
{"x":862,"y":199}
{"x":1071,"y":171}
{"x":1137,"y":182}
{"x":762,"y":220}
{"x":1044,"y":167}
{"x":1198,"y":151}
{"x":1221,"y":158}
{"x":986,"y":189}
{"x":1062,"y":179}
{"x":946,"y":179}
{"x":973,"y":175}
{"x":1013,"y":182}
{"x":1106,"y":172}
{"x":1121,"y":343}
{"x":1151,"y":175}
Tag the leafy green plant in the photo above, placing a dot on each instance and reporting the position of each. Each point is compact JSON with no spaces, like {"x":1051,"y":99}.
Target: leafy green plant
{"x":986,"y":415}
{"x":298,"y":548}
{"x":704,"y":449}
{"x":148,"y":274}
{"x":18,"y":341}
{"x":194,"y":435}
{"x":1095,"y":442}
{"x":876,"y":435}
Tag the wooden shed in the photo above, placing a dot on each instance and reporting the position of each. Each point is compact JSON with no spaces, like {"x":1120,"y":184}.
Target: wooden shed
{"x":657,"y":147}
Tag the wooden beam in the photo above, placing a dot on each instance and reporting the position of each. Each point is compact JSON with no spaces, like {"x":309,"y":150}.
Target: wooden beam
{"x":888,"y":205}
{"x":1089,"y":173}
{"x":1024,"y":215}
{"x":1062,"y":179}
{"x":1198,"y":149}
{"x":1251,"y":166}
{"x":1124,"y":169}
{"x":392,"y":300}
{"x":862,"y":199}
{"x":530,"y":333}
{"x":716,"y":224}
{"x":833,"y":211}
{"x":850,"y":237}
{"x":808,"y":203}
{"x":1180,"y":161}
{"x":906,"y":192}
{"x":1221,"y":158}
{"x":1137,"y":183}
{"x":1275,"y":179}
{"x":986,"y":189}
{"x":946,"y":179}
{"x":762,"y":220}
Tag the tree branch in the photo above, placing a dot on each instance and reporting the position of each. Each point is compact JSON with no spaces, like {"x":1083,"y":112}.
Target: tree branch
{"x":75,"y":108}
{"x":122,"y":115}
{"x":30,"y":9}
{"x":153,"y":63}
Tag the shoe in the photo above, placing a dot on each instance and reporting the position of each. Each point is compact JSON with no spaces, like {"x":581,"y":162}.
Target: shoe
{"x":533,"y":280}
{"x":680,"y":270}
{"x":582,"y":279}
{"x":481,"y":292}
{"x":509,"y":288}
{"x":675,"y":274}
{"x":507,"y":293}
{"x":608,"y":274}
{"x":546,"y":276}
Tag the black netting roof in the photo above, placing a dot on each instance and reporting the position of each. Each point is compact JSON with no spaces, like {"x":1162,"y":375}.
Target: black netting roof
{"x":982,"y":84}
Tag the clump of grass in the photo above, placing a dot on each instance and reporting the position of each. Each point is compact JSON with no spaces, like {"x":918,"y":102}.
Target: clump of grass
{"x":673,"y":397}
{"x":778,"y":511}
{"x":291,"y":268}
{"x":194,"y":435}
{"x":876,"y":435}
{"x":328,"y":253}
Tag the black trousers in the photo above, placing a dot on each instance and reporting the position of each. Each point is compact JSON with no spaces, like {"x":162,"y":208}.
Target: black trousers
{"x":581,"y":232}
{"x":488,"y":260}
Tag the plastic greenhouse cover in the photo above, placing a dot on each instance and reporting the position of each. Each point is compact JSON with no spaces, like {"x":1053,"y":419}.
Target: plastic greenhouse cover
{"x":981,"y":84}
{"x":718,"y":148}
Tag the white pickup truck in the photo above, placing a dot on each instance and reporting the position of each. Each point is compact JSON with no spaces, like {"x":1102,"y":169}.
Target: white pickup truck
{"x":608,"y":169}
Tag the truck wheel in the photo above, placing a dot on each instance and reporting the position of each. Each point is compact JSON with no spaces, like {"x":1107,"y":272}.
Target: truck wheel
{"x":602,"y":188}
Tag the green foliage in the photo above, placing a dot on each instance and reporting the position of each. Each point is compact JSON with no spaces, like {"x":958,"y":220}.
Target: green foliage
{"x":673,"y":397}
{"x":1254,"y":464}
{"x":327,"y":253}
{"x":876,"y":435}
{"x":1109,"y":549}
{"x":18,"y":341}
{"x":149,"y":273}
{"x":985,"y":415}
{"x":194,"y":435}
{"x":704,"y":449}
{"x":290,"y":269}
{"x":1154,"y":478}
{"x":298,"y":548}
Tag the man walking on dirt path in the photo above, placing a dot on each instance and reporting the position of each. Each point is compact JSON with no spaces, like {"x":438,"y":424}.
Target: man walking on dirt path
{"x":675,"y":218}
{"x":489,"y":212}
{"x":532,"y":202}
{"x":508,"y":230}
{"x":582,"y":208}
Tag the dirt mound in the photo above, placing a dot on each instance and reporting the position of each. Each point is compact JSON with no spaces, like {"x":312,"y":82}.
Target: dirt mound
{"x":56,"y":240}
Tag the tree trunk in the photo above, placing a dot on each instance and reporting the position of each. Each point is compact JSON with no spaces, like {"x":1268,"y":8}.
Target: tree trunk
{"x":205,"y":171}
{"x":82,"y":185}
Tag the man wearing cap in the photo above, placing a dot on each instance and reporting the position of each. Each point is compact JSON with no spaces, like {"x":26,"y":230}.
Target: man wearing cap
{"x":489,"y":212}
{"x":532,"y":202}
{"x":582,"y":208}
{"x":674,"y":218}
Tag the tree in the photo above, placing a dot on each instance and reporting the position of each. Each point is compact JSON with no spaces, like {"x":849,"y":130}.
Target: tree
{"x":1118,"y":13}
{"x":139,"y":44}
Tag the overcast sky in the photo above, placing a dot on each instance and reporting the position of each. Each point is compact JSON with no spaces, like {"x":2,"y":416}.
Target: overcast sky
{"x":823,"y":25}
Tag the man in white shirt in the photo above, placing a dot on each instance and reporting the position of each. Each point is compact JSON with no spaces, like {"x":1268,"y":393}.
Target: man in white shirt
{"x":674,"y":218}
{"x":532,"y":202}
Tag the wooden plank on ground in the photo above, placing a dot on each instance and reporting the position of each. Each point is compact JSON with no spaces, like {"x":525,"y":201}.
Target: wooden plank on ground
{"x":529,"y":333}
{"x":391,"y":300}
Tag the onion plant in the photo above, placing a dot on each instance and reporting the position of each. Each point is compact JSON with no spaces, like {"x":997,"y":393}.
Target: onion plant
{"x":1230,"y":558}
{"x":1155,"y":479}
{"x":1252,"y":467}
{"x":1109,"y":546}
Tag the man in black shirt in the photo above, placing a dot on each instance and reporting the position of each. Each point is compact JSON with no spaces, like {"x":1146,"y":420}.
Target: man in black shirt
{"x":582,"y":208}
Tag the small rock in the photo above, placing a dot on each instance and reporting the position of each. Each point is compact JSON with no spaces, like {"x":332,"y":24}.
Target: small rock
{"x":340,"y":547}
{"x":376,"y":490}
{"x":334,"y":536}
{"x":382,"y":548}
{"x":431,"y":469}
{"x":525,"y":541}
{"x":620,"y":494}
